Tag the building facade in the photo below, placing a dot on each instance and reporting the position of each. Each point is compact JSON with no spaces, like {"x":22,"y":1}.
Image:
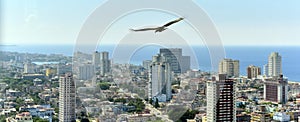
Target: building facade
{"x":105,"y":63}
{"x":96,"y":59}
{"x":253,"y":71}
{"x":67,"y":100}
{"x":276,"y":89}
{"x":220,"y":97}
{"x":29,"y":68}
{"x":86,"y":72}
{"x":178,"y":63}
{"x":274,"y":64}
{"x":230,"y":67}
{"x":160,"y":76}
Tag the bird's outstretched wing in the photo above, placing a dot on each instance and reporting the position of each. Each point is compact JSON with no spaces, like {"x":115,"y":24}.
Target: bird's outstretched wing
{"x":144,"y":29}
{"x":172,"y":22}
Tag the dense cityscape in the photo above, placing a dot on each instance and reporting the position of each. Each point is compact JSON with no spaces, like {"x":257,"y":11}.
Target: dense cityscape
{"x":90,"y":87}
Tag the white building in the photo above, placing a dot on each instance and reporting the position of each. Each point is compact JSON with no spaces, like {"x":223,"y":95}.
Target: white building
{"x":41,"y":111}
{"x":230,"y":67}
{"x":266,"y":69}
{"x":63,"y":68}
{"x":160,"y":76}
{"x":86,"y":72}
{"x":281,"y":117}
{"x":274,"y":64}
{"x":276,"y":89}
{"x":67,"y":98}
{"x":178,"y":63}
{"x":96,"y":59}
{"x":29,"y":68}
{"x":146,"y":64}
{"x":220,"y":96}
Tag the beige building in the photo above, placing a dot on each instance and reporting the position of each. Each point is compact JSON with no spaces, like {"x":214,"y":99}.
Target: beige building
{"x":253,"y":71}
{"x":21,"y":117}
{"x":230,"y":67}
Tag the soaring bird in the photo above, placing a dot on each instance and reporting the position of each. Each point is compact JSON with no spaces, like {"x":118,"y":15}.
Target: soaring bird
{"x":158,"y":29}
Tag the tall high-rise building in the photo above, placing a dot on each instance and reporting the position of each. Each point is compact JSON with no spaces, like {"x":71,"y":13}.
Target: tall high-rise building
{"x":86,"y":72}
{"x":67,"y":98}
{"x":266,"y":69}
{"x":276,"y":89}
{"x":96,"y":59}
{"x":178,"y":63}
{"x":185,"y":64}
{"x":253,"y":71}
{"x":220,"y":95}
{"x":105,"y":64}
{"x":160,"y":76}
{"x":230,"y":67}
{"x":274,"y":64}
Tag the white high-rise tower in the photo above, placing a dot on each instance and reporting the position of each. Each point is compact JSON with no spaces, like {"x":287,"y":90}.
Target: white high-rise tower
{"x":160,"y":79}
{"x":274,"y":64}
{"x":67,"y":100}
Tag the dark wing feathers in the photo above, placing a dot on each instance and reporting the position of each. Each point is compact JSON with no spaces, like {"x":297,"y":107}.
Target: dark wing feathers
{"x":172,"y":22}
{"x":144,"y":29}
{"x":156,"y":28}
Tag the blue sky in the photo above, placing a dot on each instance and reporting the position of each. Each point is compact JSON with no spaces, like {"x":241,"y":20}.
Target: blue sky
{"x":255,"y":22}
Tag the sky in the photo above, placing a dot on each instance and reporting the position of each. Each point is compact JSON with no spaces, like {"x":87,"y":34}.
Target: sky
{"x":255,"y":22}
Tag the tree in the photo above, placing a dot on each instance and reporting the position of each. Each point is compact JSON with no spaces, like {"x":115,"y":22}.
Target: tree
{"x":104,"y":85}
{"x":2,"y":118}
{"x":151,"y":101}
{"x":189,"y":114}
{"x":156,"y":103}
{"x":37,"y":119}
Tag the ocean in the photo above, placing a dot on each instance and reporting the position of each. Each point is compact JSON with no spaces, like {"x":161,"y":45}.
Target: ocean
{"x":200,"y":57}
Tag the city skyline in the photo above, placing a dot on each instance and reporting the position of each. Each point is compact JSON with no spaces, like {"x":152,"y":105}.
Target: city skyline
{"x":239,"y":23}
{"x":78,"y":61}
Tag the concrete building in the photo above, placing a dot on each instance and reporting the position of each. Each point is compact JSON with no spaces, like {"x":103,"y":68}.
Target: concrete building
{"x":86,"y":72}
{"x":96,"y":59}
{"x":253,"y":71}
{"x":105,"y":63}
{"x":243,"y":118}
{"x":274,"y":64}
{"x":67,"y":98}
{"x":261,"y":116}
{"x":178,"y":63}
{"x":146,"y":64}
{"x":29,"y":68}
{"x":160,"y":76}
{"x":220,"y":97}
{"x":229,"y":67}
{"x":63,"y":68}
{"x":41,"y":111}
{"x":276,"y":89}
{"x":281,"y":117}
{"x":21,"y":117}
{"x":185,"y":64}
{"x":266,"y":69}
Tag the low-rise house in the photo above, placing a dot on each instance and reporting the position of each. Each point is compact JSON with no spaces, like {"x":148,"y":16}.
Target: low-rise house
{"x":21,"y":117}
